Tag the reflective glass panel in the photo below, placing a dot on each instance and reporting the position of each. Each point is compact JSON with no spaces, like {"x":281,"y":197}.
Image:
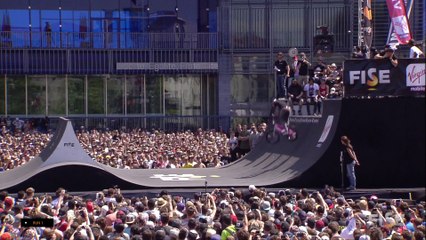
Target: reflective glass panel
{"x":211,"y":94}
{"x":252,"y":88}
{"x":56,"y":95}
{"x":154,"y":94}
{"x":241,"y":90}
{"x":191,"y":94}
{"x":115,"y":94}
{"x":265,"y":85}
{"x":76,"y":94}
{"x":172,"y":95}
{"x":135,"y":94}
{"x":14,"y":27}
{"x":16,"y":94}
{"x":96,"y":95}
{"x":36,"y":94}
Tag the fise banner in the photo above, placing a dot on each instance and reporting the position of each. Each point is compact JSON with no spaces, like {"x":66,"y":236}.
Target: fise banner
{"x":378,"y":77}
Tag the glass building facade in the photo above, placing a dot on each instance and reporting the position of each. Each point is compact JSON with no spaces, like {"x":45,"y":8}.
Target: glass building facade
{"x":163,"y":57}
{"x":113,"y":95}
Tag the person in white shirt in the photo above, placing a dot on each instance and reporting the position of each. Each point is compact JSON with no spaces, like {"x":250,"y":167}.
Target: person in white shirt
{"x":415,"y":52}
{"x":311,"y":91}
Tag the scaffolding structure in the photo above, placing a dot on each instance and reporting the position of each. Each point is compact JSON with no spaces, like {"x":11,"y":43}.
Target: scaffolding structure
{"x":365,"y":27}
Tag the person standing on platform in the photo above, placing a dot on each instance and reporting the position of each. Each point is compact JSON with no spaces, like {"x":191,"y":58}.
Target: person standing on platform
{"x":283,"y":72}
{"x":303,"y":69}
{"x":48,"y":34}
{"x":350,"y":159}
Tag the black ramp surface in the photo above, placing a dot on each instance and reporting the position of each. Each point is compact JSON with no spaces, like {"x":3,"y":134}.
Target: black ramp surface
{"x":265,"y":165}
{"x":64,"y":149}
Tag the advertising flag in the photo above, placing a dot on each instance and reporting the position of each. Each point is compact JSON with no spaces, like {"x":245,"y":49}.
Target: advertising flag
{"x":399,"y":20}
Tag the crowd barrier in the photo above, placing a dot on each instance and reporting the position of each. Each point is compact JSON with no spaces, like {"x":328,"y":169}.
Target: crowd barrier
{"x":165,"y":123}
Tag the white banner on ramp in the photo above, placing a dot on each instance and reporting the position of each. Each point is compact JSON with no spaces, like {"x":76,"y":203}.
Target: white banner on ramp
{"x":326,"y":130}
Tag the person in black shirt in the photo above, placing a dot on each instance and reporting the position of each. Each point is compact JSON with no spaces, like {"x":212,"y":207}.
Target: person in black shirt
{"x":388,"y":53}
{"x":283,"y":72}
{"x":48,"y":33}
{"x":303,"y":69}
{"x":350,"y":159}
{"x":295,"y":95}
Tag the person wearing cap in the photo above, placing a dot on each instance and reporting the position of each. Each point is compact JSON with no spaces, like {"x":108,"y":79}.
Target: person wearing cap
{"x":333,"y":93}
{"x":388,"y":53}
{"x":350,"y":159}
{"x":29,"y":193}
{"x":333,"y":75}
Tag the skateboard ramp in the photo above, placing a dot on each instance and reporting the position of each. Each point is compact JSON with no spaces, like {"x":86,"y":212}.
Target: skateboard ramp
{"x":64,"y":162}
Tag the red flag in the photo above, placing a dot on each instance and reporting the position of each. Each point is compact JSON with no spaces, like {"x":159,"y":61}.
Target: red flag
{"x":399,"y":19}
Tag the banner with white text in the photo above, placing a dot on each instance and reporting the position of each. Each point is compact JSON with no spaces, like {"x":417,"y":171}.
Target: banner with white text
{"x":378,"y":77}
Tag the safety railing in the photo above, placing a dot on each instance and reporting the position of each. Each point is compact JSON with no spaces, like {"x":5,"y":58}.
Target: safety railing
{"x":108,"y":40}
{"x":165,"y":123}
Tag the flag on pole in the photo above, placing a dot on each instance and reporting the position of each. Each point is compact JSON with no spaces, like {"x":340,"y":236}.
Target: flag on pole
{"x":399,"y":20}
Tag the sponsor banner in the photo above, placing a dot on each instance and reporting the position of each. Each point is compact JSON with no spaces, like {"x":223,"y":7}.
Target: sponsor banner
{"x":377,"y":77}
{"x":399,"y":20}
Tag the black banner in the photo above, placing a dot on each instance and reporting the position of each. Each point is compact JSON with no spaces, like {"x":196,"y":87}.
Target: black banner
{"x":379,"y":77}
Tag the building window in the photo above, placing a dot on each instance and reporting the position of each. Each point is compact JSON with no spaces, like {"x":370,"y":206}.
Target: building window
{"x":115,"y":94}
{"x":76,"y":94}
{"x":36,"y":88}
{"x":154,"y":94}
{"x":56,"y":95}
{"x":16,"y":94}
{"x":96,"y":94}
{"x":135,"y":94}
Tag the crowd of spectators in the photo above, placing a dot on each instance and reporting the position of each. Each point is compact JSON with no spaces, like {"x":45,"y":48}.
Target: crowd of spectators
{"x":415,"y":50}
{"x":320,"y":71}
{"x":310,"y":83}
{"x":156,"y":149}
{"x":224,"y":214}
{"x":132,"y":149}
{"x":19,"y":142}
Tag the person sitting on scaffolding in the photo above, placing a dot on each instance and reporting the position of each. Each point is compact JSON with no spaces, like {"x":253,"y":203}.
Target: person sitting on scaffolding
{"x":280,"y":113}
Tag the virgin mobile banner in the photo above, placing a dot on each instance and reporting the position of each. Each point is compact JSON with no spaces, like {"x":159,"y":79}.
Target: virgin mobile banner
{"x":381,"y":78}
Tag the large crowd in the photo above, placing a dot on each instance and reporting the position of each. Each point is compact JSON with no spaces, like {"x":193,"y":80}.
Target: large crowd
{"x":125,"y":149}
{"x":224,"y":214}
{"x":19,"y":143}
{"x":137,"y":148}
{"x":156,"y":149}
